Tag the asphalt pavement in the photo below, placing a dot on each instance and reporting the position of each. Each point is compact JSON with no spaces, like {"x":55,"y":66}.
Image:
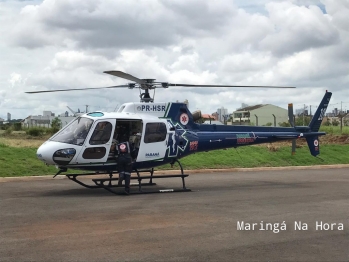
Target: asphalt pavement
{"x":280,"y":215}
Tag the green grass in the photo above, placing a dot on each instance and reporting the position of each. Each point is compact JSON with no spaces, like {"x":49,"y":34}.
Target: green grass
{"x":263,"y":157}
{"x":22,"y":162}
{"x":335,"y":130}
{"x":15,"y":161}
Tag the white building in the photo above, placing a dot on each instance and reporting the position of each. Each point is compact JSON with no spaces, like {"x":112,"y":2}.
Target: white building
{"x":261,"y":115}
{"x":213,"y":122}
{"x":45,"y":120}
{"x":222,"y":114}
{"x":48,"y":113}
{"x":302,"y":111}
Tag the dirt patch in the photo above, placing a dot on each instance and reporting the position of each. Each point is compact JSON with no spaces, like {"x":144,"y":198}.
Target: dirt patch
{"x":324,"y":140}
{"x":12,"y":141}
{"x":335,"y":139}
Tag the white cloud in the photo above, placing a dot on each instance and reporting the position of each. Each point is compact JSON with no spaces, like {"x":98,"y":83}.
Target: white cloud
{"x":68,"y":44}
{"x":298,"y":28}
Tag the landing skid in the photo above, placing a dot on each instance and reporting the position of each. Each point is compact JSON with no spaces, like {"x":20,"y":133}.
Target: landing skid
{"x":73,"y":177}
{"x":110,"y":185}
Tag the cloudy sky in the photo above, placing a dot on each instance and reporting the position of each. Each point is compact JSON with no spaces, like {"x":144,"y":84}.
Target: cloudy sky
{"x":69,"y":43}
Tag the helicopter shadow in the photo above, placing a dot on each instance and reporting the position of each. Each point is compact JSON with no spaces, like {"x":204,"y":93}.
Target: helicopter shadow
{"x":97,"y":192}
{"x":85,"y":192}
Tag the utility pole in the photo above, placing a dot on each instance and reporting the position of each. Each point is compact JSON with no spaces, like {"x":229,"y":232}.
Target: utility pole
{"x":86,"y":108}
{"x":303,"y":114}
{"x":341,"y":117}
{"x":225,"y":119}
{"x":274,"y":119}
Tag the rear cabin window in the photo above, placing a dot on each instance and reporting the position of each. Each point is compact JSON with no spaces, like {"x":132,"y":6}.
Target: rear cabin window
{"x":101,"y":134}
{"x":155,"y":132}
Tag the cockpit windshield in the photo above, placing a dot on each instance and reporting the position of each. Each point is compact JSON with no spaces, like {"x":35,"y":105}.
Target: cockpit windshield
{"x":74,"y":133}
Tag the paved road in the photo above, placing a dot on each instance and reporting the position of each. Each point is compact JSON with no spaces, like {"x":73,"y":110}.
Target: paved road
{"x":57,"y":220}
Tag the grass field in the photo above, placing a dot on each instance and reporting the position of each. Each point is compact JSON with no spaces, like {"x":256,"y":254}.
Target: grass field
{"x":336,"y":130}
{"x":18,"y":156}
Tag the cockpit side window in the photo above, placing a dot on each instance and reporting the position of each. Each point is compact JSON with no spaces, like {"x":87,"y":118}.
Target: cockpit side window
{"x":101,"y":134}
{"x":155,"y":132}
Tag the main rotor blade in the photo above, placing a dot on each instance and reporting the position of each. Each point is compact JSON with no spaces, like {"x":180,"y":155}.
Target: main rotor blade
{"x":231,"y":86}
{"x":125,"y":76}
{"x":73,"y":89}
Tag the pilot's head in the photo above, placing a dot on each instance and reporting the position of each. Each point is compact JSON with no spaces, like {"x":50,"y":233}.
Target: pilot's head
{"x":102,"y":125}
{"x":113,"y":145}
{"x":87,"y":125}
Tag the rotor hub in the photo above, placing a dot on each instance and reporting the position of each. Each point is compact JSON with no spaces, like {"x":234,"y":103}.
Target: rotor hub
{"x":145,"y":97}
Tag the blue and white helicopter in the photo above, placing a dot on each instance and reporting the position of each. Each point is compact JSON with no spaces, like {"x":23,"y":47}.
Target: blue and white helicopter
{"x":160,"y":133}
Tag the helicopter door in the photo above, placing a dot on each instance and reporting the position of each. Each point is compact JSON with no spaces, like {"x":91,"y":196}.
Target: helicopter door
{"x":97,"y":145}
{"x":153,"y":145}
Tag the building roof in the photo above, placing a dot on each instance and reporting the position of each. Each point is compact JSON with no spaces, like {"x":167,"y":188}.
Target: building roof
{"x":250,"y":108}
{"x":207,"y":116}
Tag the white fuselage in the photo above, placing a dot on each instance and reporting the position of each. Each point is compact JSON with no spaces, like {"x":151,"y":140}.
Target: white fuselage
{"x":145,"y":125}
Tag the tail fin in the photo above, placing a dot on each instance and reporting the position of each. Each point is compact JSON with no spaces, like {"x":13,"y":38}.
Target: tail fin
{"x":313,"y":144}
{"x":320,"y":112}
{"x":180,"y":114}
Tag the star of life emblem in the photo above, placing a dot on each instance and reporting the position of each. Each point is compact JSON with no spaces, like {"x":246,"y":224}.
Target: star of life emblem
{"x":184,"y":119}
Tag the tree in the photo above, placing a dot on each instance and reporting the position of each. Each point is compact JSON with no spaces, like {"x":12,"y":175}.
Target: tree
{"x":17,"y":126}
{"x":335,"y":122}
{"x":299,"y":121}
{"x":56,"y":123}
{"x":327,"y":122}
{"x":284,"y":124}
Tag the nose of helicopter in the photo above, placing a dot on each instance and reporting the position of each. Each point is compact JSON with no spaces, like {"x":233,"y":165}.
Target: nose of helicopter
{"x":56,"y":153}
{"x":44,"y":153}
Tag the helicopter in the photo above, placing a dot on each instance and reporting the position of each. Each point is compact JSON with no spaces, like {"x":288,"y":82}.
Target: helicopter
{"x":160,"y":133}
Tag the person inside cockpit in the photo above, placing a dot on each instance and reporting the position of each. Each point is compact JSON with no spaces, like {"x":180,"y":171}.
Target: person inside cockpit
{"x":113,"y":151}
{"x":81,"y":132}
{"x":101,"y":134}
